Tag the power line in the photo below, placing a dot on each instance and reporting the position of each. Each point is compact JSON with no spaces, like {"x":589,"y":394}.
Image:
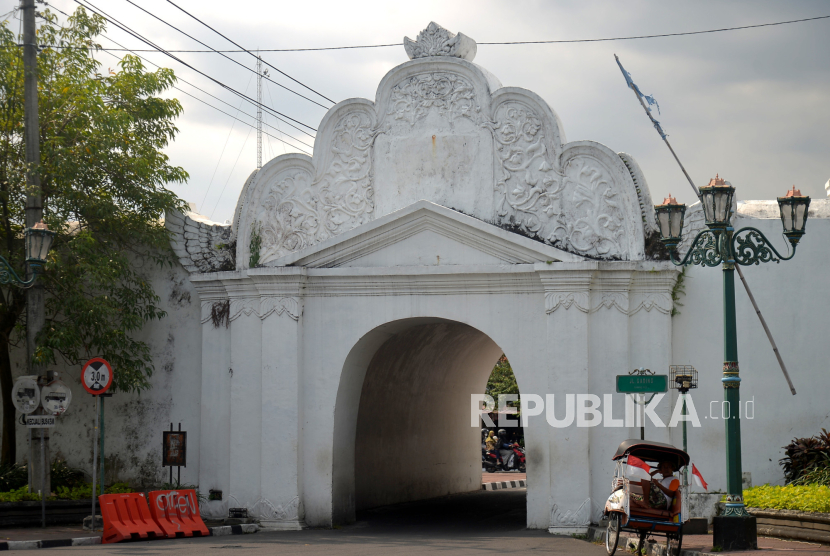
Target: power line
{"x":223,"y":55}
{"x":248,"y":51}
{"x":150,"y":43}
{"x":232,"y":116}
{"x":207,"y":93}
{"x":222,"y":101}
{"x":230,"y":174}
{"x":635,"y":37}
{"x":221,"y":154}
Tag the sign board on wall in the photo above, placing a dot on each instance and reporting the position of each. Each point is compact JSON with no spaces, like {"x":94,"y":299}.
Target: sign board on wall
{"x":174,"y":449}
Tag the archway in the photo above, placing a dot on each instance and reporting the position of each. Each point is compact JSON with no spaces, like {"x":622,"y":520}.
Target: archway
{"x":402,"y":420}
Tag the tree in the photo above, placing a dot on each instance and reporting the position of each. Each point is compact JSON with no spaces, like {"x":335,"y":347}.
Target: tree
{"x":103,"y":180}
{"x":502,"y":381}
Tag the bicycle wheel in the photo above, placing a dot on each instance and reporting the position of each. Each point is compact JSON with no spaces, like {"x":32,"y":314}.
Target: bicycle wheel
{"x":612,"y":533}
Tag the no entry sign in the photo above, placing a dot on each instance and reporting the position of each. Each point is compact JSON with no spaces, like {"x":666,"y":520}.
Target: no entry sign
{"x":97,"y":376}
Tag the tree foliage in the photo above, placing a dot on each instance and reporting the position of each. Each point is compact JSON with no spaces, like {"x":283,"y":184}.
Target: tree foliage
{"x":502,"y":381}
{"x":104,"y":179}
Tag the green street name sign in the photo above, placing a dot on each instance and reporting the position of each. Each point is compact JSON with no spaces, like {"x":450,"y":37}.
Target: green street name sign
{"x":642,"y":384}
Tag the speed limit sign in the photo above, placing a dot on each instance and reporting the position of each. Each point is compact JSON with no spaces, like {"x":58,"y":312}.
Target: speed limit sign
{"x":97,"y":376}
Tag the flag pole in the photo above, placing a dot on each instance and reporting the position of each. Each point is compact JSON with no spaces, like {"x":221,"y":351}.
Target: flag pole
{"x":659,"y":129}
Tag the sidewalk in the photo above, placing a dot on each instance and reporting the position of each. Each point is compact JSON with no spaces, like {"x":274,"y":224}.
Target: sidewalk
{"x":701,"y":545}
{"x":499,"y":481}
{"x":47,"y":533}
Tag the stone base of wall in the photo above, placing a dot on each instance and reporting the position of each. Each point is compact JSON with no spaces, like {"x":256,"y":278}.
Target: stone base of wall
{"x":792,"y":524}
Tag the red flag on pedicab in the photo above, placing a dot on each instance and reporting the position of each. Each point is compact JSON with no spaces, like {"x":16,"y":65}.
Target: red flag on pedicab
{"x":637,"y":468}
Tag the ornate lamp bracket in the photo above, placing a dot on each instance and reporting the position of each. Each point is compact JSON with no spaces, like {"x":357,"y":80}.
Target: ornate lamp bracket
{"x":9,"y":276}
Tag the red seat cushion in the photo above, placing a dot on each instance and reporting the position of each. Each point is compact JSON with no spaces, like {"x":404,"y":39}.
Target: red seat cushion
{"x":650,"y":512}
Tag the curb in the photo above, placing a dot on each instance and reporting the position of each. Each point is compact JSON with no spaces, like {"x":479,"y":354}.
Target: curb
{"x":597,"y":534}
{"x":88,"y":541}
{"x":522,"y":483}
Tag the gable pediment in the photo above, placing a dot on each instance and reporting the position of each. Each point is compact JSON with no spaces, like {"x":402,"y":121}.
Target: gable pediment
{"x":424,"y":234}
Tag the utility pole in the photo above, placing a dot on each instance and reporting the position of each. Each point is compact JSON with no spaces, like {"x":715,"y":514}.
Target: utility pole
{"x":40,"y":475}
{"x":258,"y":112}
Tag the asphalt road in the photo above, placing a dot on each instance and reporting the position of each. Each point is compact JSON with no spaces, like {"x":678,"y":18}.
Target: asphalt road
{"x":483,"y":522}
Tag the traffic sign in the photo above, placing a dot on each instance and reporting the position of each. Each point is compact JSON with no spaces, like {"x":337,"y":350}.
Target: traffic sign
{"x":40,"y":421}
{"x":97,"y":376}
{"x":642,"y":384}
{"x":56,"y":397}
{"x":26,"y":394}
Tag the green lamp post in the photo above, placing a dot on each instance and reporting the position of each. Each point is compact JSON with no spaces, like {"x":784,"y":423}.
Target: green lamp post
{"x":721,"y":245}
{"x":38,"y":241}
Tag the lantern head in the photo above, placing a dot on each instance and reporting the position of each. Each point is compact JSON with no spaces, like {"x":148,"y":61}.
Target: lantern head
{"x":670,"y":220}
{"x":793,"y":208}
{"x":38,"y":241}
{"x":717,"y":202}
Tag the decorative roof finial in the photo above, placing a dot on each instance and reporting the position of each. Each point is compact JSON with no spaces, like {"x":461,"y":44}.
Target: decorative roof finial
{"x":437,"y":41}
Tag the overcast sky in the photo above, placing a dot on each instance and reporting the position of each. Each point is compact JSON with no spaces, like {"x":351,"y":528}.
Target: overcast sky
{"x":752,"y":105}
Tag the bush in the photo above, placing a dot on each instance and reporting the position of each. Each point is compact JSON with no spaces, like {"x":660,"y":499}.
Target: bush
{"x":806,"y":454}
{"x":805,"y":498}
{"x":64,"y":476}
{"x":13,"y":476}
{"x":79,"y":492}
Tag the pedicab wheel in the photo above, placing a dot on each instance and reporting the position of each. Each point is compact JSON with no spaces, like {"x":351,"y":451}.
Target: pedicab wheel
{"x":612,"y":533}
{"x":673,"y":544}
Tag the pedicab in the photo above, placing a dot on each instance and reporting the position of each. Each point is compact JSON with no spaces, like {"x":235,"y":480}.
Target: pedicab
{"x":623,"y":509}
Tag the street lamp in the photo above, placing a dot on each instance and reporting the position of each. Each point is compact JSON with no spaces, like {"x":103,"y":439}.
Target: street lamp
{"x":38,"y":241}
{"x":721,"y":245}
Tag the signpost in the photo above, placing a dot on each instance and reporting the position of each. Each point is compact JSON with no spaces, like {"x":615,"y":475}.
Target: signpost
{"x":642,"y":381}
{"x":97,"y":379}
{"x":55,"y":398}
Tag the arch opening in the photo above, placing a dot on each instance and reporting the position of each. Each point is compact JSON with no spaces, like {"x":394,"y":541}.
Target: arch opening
{"x":403,"y":428}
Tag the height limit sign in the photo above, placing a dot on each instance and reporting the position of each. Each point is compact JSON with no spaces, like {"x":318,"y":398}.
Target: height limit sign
{"x":97,"y":376}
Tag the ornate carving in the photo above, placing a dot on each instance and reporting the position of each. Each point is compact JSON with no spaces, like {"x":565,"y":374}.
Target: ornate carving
{"x":437,"y":41}
{"x":576,"y":208}
{"x":613,"y":299}
{"x":693,"y":223}
{"x":661,"y":301}
{"x":288,"y":511}
{"x":452,"y":95}
{"x":296,"y":213}
{"x":278,"y":306}
{"x":580,"y":517}
{"x":246,"y":306}
{"x":264,"y":307}
{"x":553,"y":300}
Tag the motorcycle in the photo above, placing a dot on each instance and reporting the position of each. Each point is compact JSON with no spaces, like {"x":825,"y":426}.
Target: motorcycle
{"x":489,"y":462}
{"x":514,"y":459}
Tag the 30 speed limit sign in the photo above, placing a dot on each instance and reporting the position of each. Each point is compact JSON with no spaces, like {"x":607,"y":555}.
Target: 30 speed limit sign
{"x":97,"y":376}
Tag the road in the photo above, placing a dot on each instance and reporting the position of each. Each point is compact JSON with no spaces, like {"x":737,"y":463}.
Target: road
{"x":483,"y":522}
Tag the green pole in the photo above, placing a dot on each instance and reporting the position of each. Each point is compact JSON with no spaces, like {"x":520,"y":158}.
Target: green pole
{"x":731,"y":393}
{"x":101,"y":490}
{"x":685,"y":445}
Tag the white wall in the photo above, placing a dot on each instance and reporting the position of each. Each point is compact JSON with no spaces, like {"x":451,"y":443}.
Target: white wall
{"x":134,"y":422}
{"x":793,"y":297}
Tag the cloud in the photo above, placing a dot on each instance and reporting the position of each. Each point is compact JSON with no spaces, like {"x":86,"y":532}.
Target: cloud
{"x":751,"y":105}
